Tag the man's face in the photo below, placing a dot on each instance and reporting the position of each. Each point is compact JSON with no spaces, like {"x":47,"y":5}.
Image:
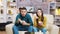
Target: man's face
{"x":23,"y":12}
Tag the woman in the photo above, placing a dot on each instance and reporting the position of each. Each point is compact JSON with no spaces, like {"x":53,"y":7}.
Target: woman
{"x":40,"y":21}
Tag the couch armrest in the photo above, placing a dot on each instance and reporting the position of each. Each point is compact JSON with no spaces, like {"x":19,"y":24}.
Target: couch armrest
{"x":53,"y":29}
{"x":9,"y":29}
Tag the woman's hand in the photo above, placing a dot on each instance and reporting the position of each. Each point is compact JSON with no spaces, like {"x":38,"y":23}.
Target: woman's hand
{"x":36,"y":17}
{"x":40,"y":23}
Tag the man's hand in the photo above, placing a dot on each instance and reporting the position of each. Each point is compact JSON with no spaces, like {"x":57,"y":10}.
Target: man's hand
{"x":24,"y":23}
{"x":19,"y":20}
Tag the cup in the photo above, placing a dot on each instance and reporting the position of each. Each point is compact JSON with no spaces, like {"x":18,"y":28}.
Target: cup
{"x":39,"y":23}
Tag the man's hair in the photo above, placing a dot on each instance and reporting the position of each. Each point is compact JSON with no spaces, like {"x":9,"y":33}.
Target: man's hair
{"x":22,"y":8}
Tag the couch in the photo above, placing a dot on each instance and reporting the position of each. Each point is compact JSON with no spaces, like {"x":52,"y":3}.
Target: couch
{"x":51,"y":28}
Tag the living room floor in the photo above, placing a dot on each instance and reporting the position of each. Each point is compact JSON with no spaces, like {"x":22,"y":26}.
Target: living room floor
{"x":2,"y":32}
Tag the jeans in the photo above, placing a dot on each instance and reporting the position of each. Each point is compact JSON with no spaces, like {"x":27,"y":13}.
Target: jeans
{"x":20,"y":28}
{"x":44,"y":30}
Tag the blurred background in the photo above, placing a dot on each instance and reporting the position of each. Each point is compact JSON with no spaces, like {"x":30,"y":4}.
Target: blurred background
{"x":9,"y":8}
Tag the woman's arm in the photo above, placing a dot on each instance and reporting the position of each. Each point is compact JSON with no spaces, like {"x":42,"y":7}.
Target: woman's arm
{"x":35,"y":24}
{"x":44,"y":22}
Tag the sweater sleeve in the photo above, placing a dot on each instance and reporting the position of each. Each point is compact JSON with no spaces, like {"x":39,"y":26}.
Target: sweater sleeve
{"x":44,"y":22}
{"x":35,"y":24}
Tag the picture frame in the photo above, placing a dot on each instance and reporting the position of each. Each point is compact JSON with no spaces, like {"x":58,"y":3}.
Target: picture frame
{"x":30,"y":9}
{"x":1,"y":11}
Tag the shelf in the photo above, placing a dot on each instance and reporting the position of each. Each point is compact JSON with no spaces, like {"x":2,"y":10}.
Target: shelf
{"x":57,"y":0}
{"x":11,"y":4}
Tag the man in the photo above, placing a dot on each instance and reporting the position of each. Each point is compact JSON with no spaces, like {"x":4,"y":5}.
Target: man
{"x":23,"y":22}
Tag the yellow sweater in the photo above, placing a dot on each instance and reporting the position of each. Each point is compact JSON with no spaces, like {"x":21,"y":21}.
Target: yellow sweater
{"x":44,"y":22}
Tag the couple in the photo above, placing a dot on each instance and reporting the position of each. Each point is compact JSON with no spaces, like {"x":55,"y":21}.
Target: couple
{"x":24,"y":22}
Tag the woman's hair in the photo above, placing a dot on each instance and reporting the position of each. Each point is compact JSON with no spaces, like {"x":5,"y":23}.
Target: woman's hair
{"x":42,"y":17}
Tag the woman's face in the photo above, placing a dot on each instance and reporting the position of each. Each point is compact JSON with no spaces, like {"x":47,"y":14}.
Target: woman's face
{"x":39,"y":13}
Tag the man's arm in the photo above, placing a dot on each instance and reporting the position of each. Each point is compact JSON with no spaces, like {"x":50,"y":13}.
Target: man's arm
{"x":16,"y":21}
{"x":30,"y":21}
{"x":44,"y":22}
